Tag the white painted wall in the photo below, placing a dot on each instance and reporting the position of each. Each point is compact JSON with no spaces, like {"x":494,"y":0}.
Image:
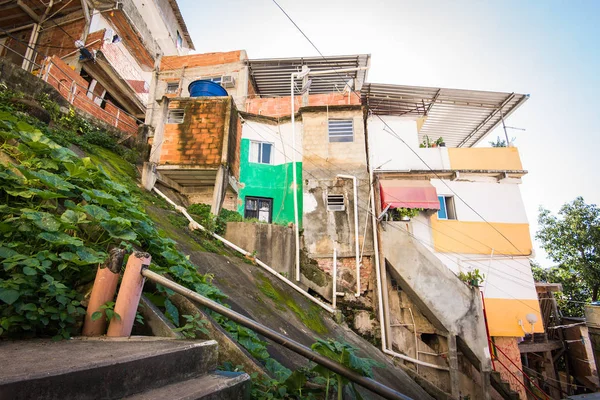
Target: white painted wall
{"x":496,"y":202}
{"x":390,"y":154}
{"x":163,"y":25}
{"x":280,"y":136}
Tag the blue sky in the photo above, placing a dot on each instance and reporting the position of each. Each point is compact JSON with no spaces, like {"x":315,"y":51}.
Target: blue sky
{"x":548,"y":49}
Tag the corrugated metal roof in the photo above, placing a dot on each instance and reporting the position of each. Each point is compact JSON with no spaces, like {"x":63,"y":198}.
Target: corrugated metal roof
{"x":271,"y":77}
{"x":461,"y":117}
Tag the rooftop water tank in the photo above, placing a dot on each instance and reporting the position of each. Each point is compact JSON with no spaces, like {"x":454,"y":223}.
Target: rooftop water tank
{"x":206,"y":88}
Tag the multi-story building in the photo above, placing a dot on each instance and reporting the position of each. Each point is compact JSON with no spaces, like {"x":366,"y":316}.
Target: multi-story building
{"x":397,"y":158}
{"x":100,"y":54}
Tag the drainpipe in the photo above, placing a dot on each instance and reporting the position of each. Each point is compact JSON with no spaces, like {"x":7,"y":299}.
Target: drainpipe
{"x":300,"y":74}
{"x":357,"y":247}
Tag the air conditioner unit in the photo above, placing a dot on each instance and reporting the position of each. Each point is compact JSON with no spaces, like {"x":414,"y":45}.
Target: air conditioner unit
{"x":228,"y":81}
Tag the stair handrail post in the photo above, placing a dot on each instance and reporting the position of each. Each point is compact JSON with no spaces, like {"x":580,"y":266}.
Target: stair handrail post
{"x":129,"y":295}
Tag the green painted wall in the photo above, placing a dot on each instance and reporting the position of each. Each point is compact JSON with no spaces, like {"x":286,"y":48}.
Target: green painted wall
{"x":272,"y":181}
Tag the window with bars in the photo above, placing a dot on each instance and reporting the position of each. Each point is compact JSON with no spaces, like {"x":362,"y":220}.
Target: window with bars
{"x":172,"y":87}
{"x":175,"y":116}
{"x":335,"y":202}
{"x":261,"y":152}
{"x":341,"y":130}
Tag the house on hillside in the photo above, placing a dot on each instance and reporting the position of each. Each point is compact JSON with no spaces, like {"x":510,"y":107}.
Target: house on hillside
{"x":99,"y":54}
{"x":427,"y":228}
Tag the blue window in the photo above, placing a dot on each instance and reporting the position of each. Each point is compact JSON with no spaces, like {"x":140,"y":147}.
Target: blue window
{"x":447,"y":210}
{"x":261,"y":152}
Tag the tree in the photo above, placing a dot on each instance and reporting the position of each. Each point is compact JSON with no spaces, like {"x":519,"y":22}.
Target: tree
{"x":572,"y":240}
{"x":575,"y":291}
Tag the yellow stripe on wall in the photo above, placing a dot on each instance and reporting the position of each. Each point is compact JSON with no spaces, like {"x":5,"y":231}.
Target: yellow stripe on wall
{"x":452,"y":236}
{"x":503,"y":316}
{"x":487,"y":158}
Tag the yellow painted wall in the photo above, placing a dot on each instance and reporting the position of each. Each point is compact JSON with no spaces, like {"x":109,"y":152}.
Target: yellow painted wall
{"x":503,"y":316}
{"x":493,"y":158}
{"x":452,"y":236}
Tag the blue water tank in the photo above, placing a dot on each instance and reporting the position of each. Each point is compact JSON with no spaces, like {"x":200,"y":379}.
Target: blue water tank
{"x":206,"y":88}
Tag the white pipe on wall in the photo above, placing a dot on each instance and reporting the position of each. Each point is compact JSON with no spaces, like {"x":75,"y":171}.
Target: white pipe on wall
{"x":357,"y":246}
{"x":334,"y":273}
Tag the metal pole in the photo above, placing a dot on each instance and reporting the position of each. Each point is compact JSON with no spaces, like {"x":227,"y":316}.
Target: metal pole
{"x":294,"y":180}
{"x":334,"y":273}
{"x":276,"y":337}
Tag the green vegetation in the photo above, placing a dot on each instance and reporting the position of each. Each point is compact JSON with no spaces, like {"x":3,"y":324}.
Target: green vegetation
{"x":572,"y":240}
{"x":311,"y":317}
{"x":216,"y":224}
{"x":193,"y":325}
{"x":60,"y":214}
{"x":473,"y":278}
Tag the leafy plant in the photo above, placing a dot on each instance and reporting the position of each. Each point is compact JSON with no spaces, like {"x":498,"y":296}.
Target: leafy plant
{"x":498,"y":143}
{"x":344,"y":354}
{"x":401,"y":214}
{"x":108,"y":310}
{"x":216,"y":224}
{"x":194,"y":324}
{"x":473,"y":278}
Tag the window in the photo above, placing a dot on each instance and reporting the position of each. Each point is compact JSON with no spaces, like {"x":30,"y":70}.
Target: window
{"x":341,"y":130}
{"x":179,"y":41}
{"x":215,"y":79}
{"x":260,"y":208}
{"x":175,"y":116}
{"x":447,"y":210}
{"x":172,"y":87}
{"x":335,"y":202}
{"x":261,"y":152}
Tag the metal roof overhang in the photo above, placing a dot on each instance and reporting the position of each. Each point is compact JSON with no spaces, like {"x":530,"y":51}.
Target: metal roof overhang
{"x":271,"y":77}
{"x":461,"y":117}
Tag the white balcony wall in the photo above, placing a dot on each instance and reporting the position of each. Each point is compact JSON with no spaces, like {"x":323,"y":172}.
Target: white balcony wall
{"x":279,"y":136}
{"x":389,"y":153}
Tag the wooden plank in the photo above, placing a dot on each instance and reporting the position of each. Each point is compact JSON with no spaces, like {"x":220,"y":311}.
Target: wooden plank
{"x":528,"y":347}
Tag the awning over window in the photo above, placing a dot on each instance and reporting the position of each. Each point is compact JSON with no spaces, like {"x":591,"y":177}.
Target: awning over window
{"x":408,"y":194}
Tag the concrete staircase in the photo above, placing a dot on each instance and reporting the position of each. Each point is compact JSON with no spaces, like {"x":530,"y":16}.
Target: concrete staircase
{"x":135,"y":368}
{"x":502,"y":387}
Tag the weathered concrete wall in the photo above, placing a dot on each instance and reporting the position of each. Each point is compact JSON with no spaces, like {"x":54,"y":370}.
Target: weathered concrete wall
{"x":322,"y":161}
{"x":592,"y":316}
{"x":441,"y":296}
{"x":274,"y":244}
{"x":510,"y":372}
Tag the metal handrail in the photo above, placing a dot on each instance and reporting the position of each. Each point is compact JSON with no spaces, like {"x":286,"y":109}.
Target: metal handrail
{"x":276,"y":337}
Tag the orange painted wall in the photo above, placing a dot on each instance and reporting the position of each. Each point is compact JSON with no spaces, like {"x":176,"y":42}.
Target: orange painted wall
{"x":453,"y":236}
{"x":504,"y":314}
{"x":488,"y":158}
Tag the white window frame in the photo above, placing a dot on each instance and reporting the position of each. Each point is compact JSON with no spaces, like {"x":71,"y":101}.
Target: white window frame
{"x":256,"y":150}
{"x":215,"y":79}
{"x":340,"y":131}
{"x":450,"y":208}
{"x":170,"y":86}
{"x":175,"y":116}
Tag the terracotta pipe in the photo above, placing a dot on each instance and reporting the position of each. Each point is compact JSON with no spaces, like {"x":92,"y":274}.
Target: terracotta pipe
{"x":103,"y":291}
{"x":129,"y":295}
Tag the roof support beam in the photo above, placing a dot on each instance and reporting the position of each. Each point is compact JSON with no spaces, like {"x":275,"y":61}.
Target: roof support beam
{"x":28,"y":11}
{"x":482,"y":124}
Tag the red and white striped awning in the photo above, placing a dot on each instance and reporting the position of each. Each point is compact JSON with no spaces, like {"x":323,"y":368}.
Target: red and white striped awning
{"x":408,"y":194}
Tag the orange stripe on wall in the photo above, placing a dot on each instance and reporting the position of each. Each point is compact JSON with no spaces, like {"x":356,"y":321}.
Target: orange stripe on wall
{"x":503,"y":316}
{"x":494,"y":158}
{"x":452,"y":236}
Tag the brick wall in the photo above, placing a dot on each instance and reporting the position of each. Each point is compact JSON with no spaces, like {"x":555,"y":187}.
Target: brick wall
{"x":199,"y":139}
{"x":281,"y":106}
{"x":59,"y":41}
{"x":510,"y":347}
{"x":347,"y":272}
{"x":199,"y":60}
{"x":62,"y":76}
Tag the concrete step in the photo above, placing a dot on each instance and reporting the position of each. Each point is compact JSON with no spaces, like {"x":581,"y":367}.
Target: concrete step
{"x":99,"y":369}
{"x":218,"y":385}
